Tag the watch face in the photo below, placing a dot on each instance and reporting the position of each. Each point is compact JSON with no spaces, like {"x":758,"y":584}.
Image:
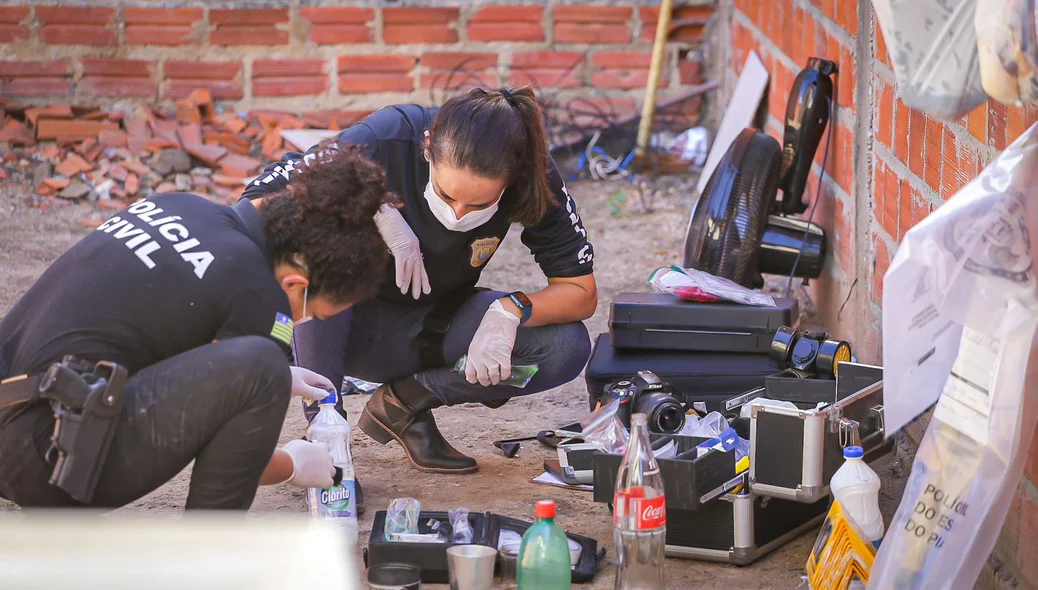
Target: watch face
{"x":523,"y":300}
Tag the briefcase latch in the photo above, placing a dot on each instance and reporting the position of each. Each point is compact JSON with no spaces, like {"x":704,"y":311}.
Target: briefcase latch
{"x":850,"y":435}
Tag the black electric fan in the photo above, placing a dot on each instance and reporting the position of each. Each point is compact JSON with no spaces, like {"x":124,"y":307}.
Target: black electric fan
{"x":739,"y":228}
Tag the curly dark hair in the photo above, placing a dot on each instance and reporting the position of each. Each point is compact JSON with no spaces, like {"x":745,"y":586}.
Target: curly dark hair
{"x":324,"y":223}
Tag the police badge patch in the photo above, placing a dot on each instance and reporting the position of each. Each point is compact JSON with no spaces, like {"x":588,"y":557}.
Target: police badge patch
{"x":482,"y":250}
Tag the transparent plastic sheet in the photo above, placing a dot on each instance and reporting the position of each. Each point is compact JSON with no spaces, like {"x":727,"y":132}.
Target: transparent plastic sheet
{"x":1008,"y":49}
{"x":402,"y":517}
{"x":695,"y":285}
{"x":933,"y":50}
{"x":461,"y":531}
{"x":714,"y":425}
{"x":604,"y":430}
{"x":960,"y":315}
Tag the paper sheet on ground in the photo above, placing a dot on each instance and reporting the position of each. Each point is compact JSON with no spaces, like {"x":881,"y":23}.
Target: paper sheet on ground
{"x":550,"y":480}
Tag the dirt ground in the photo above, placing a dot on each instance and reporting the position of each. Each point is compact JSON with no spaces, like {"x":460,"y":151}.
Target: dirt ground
{"x":629,"y":244}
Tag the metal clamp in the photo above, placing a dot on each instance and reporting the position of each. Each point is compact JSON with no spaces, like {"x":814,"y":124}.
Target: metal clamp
{"x":850,"y":434}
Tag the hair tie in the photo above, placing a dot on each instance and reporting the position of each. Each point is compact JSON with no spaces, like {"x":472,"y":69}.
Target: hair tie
{"x":506,"y":93}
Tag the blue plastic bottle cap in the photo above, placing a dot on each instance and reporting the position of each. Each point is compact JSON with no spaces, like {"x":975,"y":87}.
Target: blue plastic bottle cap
{"x":331,"y":399}
{"x":853,"y":453}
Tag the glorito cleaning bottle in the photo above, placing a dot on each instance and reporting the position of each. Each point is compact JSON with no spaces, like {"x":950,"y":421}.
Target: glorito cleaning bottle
{"x":337,"y":502}
{"x":639,"y":515}
{"x":544,"y":562}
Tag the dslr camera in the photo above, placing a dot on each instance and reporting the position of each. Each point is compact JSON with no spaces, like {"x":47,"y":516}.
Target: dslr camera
{"x":805,"y":354}
{"x":646,"y":393}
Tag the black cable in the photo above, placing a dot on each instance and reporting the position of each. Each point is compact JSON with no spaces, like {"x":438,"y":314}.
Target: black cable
{"x":818,"y":197}
{"x":569,"y":117}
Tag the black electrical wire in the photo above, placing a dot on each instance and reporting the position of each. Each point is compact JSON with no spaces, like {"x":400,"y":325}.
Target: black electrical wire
{"x":570,"y":117}
{"x":818,"y":196}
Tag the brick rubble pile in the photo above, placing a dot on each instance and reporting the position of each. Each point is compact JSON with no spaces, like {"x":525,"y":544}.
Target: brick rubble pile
{"x":61,"y":153}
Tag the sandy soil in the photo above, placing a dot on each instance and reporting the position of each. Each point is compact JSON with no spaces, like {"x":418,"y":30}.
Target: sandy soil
{"x":629,"y":243}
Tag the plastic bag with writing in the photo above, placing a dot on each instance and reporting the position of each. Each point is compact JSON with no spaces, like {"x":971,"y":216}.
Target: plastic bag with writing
{"x":932,"y":45}
{"x":1008,"y":49}
{"x":960,"y":313}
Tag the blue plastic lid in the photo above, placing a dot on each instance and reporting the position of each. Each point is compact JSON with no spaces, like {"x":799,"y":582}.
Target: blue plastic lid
{"x":331,"y":399}
{"x":853,"y":453}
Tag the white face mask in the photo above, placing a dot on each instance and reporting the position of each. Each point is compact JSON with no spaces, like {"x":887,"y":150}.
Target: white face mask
{"x":445,"y":214}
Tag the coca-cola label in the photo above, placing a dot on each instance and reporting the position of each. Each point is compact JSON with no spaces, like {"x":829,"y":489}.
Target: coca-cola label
{"x":649,"y":513}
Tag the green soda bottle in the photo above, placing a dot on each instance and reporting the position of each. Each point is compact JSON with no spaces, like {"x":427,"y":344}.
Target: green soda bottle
{"x":544,"y":562}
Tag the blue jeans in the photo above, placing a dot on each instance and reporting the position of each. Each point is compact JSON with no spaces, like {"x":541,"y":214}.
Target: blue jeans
{"x":373,"y":341}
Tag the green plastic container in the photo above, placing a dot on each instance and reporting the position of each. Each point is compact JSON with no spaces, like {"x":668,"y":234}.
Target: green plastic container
{"x":544,"y":561}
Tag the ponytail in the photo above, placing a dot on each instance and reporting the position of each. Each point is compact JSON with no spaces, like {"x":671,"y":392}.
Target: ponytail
{"x":499,"y":135}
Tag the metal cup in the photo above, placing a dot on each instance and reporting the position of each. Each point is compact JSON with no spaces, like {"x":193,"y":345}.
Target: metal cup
{"x":394,"y":576}
{"x":471,"y":567}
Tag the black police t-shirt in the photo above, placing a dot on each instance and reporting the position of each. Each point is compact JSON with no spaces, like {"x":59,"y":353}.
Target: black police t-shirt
{"x":393,"y":136}
{"x":166,"y":275}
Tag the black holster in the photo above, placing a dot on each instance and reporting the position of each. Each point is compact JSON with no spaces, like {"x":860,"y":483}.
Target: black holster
{"x":87,"y":399}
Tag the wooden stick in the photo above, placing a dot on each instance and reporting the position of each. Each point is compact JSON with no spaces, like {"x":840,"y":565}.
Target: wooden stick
{"x":659,"y":47}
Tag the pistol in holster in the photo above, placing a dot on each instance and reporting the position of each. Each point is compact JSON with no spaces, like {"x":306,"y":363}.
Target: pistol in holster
{"x":87,"y":399}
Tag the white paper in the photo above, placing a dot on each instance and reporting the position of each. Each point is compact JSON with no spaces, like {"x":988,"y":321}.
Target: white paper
{"x":305,"y":139}
{"x":550,"y":480}
{"x":965,"y":403}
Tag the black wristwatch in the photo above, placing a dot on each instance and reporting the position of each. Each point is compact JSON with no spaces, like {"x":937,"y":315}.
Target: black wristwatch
{"x":523,"y":303}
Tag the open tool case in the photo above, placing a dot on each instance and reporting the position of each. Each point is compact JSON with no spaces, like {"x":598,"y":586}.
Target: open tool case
{"x":486,"y":529}
{"x":708,"y":378}
{"x":795,"y":452}
{"x":660,"y":321}
{"x":710,"y":513}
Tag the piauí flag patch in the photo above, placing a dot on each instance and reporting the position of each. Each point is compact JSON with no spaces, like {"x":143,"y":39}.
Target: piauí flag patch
{"x":282,"y":329}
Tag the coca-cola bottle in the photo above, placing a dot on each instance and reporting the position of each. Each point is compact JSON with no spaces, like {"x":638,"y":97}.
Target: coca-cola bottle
{"x":639,"y":515}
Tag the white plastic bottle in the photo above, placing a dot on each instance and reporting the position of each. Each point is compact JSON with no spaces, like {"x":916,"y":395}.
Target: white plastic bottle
{"x":337,"y":502}
{"x":856,"y":486}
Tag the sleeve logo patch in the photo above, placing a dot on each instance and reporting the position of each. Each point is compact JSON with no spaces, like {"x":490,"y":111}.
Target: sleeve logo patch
{"x":282,"y":329}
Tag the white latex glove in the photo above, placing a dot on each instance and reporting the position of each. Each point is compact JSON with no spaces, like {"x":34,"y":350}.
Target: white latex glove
{"x":311,"y":464}
{"x":309,"y":385}
{"x":490,"y":352}
{"x":407,"y":252}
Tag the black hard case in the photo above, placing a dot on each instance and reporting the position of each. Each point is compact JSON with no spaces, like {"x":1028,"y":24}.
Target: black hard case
{"x":705,"y":522}
{"x":705,"y":377}
{"x":795,"y":452}
{"x":486,"y":530}
{"x":660,"y":321}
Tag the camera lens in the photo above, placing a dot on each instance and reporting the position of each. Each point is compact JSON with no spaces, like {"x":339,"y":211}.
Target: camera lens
{"x":666,"y":416}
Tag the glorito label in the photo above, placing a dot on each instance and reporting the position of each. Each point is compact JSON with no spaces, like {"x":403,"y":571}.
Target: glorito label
{"x":338,"y":500}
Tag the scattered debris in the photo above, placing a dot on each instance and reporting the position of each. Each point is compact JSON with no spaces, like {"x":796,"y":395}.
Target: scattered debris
{"x":79,"y":152}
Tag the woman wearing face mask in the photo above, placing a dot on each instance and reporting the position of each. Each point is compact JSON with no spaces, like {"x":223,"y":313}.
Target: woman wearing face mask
{"x":465,"y":172}
{"x":197,"y":301}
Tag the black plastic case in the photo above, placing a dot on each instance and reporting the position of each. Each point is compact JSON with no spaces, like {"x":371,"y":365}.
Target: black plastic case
{"x":707,"y":377}
{"x":688,"y":481}
{"x":660,"y":321}
{"x":431,"y":557}
{"x":486,"y":528}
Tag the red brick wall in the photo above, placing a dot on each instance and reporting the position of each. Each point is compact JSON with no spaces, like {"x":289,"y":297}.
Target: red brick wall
{"x":325,"y":56}
{"x":888,"y":167}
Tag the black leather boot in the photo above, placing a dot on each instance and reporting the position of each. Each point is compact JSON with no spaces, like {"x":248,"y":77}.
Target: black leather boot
{"x":400,"y":411}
